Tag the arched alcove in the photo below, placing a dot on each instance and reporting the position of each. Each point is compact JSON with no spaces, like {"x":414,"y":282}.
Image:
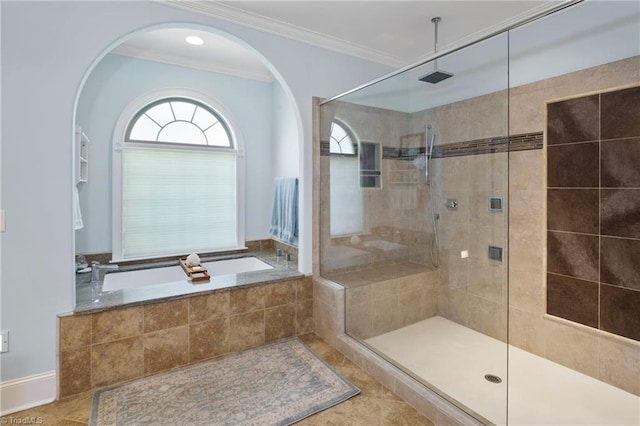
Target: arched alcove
{"x":246,"y":88}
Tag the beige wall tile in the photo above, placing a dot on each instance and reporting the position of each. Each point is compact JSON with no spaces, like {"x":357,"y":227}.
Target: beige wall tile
{"x":117,"y":361}
{"x":246,"y":300}
{"x":619,"y":363}
{"x":208,"y":339}
{"x":160,"y":316}
{"x":304,"y":288}
{"x":209,"y":306}
{"x":359,"y":321}
{"x":358,"y":295}
{"x":116,"y":324}
{"x":411,"y":307}
{"x":526,"y":331}
{"x":526,"y":290}
{"x":487,"y":317}
{"x":383,"y":289}
{"x":246,"y":331}
{"x":527,"y":253}
{"x":415,"y":282}
{"x":75,"y":331}
{"x":325,"y":291}
{"x":166,"y":349}
{"x":526,"y":170}
{"x":277,"y":294}
{"x":325,"y":319}
{"x":279,"y":322}
{"x":75,"y":371}
{"x":571,"y":347}
{"x":385,"y":315}
{"x":304,"y":316}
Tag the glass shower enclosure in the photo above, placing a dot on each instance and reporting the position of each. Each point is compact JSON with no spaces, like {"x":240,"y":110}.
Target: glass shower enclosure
{"x":414,"y":221}
{"x":478,"y":253}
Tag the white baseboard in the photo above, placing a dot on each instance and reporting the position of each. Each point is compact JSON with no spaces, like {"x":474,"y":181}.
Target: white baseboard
{"x":27,"y":392}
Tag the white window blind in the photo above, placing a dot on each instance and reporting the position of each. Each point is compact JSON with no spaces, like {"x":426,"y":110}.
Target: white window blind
{"x":346,"y":196}
{"x":178,"y":200}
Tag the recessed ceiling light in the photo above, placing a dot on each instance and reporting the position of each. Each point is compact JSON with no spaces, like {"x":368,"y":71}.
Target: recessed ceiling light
{"x":196,"y":41}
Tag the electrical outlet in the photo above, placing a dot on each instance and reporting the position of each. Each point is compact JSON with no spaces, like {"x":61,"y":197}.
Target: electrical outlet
{"x":4,"y":342}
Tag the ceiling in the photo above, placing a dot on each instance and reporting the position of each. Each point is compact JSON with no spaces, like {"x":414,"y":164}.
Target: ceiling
{"x":399,"y":33}
{"x":391,"y":32}
{"x":394,"y":33}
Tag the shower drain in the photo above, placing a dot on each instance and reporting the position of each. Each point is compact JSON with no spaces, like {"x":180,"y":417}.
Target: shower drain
{"x":492,"y":378}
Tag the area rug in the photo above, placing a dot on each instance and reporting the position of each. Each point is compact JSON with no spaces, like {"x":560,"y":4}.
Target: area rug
{"x":275,"y":384}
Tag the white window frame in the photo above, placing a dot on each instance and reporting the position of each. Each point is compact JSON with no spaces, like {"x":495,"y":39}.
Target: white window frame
{"x":119,"y":135}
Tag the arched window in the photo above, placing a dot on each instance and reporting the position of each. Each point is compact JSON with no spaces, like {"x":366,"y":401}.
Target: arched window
{"x":179,"y":120}
{"x":179,"y":182}
{"x":345,"y":192}
{"x":341,"y":141}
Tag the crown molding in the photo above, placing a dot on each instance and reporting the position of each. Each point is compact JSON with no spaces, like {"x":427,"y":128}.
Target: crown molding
{"x":186,"y":62}
{"x":273,"y":26}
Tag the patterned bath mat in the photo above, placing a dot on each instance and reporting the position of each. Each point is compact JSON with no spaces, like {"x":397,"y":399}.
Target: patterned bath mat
{"x":275,"y":384}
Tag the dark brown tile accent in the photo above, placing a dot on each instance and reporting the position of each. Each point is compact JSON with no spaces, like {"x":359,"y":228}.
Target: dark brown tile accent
{"x":575,"y":255}
{"x":75,"y":371}
{"x":208,"y":307}
{"x":620,"y":212}
{"x":573,"y":165}
{"x":166,"y":349}
{"x":621,"y":113}
{"x":575,"y":210}
{"x":620,"y":161}
{"x":116,"y":324}
{"x":208,"y":339}
{"x":117,"y":361}
{"x":160,"y":316}
{"x":573,"y":299}
{"x":620,"y":311}
{"x":573,"y":120}
{"x":619,"y":261}
{"x":279,"y":322}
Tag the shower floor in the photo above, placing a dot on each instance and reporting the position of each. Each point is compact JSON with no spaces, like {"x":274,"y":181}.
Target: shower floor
{"x":454,"y":359}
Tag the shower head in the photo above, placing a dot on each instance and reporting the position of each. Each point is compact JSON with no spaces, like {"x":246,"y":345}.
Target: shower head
{"x":436,"y":76}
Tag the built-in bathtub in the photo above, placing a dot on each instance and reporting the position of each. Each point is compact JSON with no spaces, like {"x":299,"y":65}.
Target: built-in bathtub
{"x":175,"y":274}
{"x":134,"y":284}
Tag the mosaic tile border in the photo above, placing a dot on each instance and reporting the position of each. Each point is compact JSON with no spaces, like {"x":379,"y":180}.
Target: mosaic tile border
{"x":520,"y":142}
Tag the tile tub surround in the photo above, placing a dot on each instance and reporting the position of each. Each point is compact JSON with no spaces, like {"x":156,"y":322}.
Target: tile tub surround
{"x":111,"y":346}
{"x":93,"y":299}
{"x":593,"y":210}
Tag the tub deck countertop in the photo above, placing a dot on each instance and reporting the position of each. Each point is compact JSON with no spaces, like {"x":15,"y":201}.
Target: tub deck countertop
{"x":90,"y":299}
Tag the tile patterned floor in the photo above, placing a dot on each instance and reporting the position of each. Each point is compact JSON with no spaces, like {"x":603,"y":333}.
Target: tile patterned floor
{"x":375,"y":405}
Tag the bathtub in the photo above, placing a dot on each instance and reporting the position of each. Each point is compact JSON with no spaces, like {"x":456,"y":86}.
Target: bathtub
{"x":146,"y":277}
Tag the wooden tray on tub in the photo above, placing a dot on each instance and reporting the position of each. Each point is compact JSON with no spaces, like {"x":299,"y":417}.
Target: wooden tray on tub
{"x":195,"y":273}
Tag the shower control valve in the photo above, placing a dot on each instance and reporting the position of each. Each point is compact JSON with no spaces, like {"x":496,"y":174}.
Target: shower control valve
{"x":452,"y":204}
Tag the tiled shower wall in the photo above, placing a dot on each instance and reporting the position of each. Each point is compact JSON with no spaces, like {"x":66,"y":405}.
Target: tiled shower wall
{"x":593,"y":210}
{"x":605,"y":356}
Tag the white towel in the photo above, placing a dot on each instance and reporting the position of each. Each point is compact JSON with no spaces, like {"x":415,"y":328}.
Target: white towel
{"x":77,"y":214}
